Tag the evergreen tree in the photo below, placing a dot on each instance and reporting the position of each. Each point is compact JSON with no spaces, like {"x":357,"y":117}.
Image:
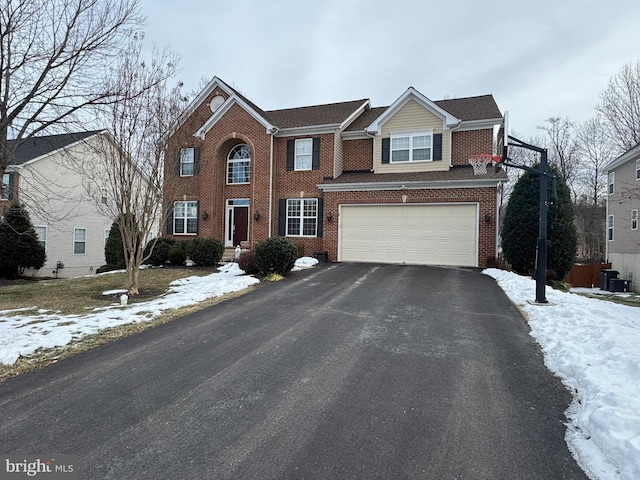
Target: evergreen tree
{"x":113,"y":249}
{"x":19,"y":245}
{"x":520,"y":229}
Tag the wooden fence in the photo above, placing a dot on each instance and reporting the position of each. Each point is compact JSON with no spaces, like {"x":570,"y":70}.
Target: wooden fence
{"x":586,"y":275}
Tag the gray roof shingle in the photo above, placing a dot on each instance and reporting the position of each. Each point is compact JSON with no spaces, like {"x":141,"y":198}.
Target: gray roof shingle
{"x":35,"y":147}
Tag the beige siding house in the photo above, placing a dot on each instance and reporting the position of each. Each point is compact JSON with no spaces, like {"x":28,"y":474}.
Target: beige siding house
{"x":57,"y":178}
{"x":623,"y":204}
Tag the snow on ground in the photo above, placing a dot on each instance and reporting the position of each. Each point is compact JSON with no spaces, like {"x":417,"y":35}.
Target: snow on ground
{"x":25,"y":330}
{"x":594,"y":347}
{"x":305,"y":262}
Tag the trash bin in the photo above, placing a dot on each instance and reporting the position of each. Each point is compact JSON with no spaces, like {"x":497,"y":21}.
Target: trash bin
{"x":605,"y":278}
{"x":322,"y":257}
{"x":619,"y":285}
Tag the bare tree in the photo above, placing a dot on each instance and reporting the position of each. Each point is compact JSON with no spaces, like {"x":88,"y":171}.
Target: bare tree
{"x":595,"y":153}
{"x":620,"y":107}
{"x":54,"y":55}
{"x":133,"y":162}
{"x":563,"y":148}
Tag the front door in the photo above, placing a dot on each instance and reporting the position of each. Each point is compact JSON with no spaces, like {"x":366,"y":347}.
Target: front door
{"x":237,"y":222}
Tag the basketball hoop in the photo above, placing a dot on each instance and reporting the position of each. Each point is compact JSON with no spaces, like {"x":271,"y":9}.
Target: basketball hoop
{"x":480,"y":161}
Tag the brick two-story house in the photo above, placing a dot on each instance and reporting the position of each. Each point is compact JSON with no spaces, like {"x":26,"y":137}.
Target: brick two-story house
{"x":383,"y":184}
{"x":623,"y":204}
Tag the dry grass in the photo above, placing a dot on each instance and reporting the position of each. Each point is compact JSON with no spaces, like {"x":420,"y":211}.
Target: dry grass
{"x":76,"y":296}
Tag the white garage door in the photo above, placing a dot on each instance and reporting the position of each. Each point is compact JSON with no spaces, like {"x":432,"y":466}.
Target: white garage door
{"x":417,"y":234}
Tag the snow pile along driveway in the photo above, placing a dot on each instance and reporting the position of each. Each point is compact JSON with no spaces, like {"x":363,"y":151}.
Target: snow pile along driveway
{"x":594,"y":347}
{"x":32,"y":329}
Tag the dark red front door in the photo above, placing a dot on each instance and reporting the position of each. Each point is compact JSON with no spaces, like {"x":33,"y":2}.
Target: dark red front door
{"x":240,"y":225}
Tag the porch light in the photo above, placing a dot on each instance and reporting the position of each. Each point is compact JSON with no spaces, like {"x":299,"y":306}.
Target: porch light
{"x":205,"y":215}
{"x":487,"y":218}
{"x":329,"y":217}
{"x":257,"y":216}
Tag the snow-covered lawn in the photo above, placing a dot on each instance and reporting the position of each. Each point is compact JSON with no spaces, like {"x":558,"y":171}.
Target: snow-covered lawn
{"x":24,"y":331}
{"x":594,"y":347}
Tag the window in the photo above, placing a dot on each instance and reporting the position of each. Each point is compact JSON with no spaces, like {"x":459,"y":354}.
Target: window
{"x":638,"y":169}
{"x":185,"y":218}
{"x":304,"y":154}
{"x":415,"y":147}
{"x":634,"y":219}
{"x":6,"y":190}
{"x":79,"y":241}
{"x":302,"y":217}
{"x":187,"y":161}
{"x":610,"y":228}
{"x":103,"y":196}
{"x":239,"y":165}
{"x":106,"y":235}
{"x":611,"y":182}
{"x":41,"y":233}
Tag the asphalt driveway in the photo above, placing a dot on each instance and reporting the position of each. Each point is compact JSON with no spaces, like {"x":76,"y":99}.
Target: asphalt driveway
{"x":346,"y":371}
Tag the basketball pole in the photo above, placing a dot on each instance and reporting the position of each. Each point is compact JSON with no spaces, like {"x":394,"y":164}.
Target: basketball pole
{"x":543,"y":174}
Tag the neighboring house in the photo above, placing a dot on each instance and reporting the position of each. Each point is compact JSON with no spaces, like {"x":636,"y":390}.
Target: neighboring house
{"x":48,"y":174}
{"x":623,"y":204}
{"x":385,"y":184}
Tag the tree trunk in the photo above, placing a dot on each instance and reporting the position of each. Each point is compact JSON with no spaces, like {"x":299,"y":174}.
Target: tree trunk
{"x":133,"y":274}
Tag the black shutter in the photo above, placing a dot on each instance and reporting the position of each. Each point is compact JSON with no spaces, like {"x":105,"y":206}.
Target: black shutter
{"x":291,"y":153}
{"x":315,"y":157}
{"x":282,"y":217}
{"x":176,"y":157}
{"x":386,"y":148}
{"x":196,"y":160}
{"x":437,"y":147}
{"x":320,"y":230}
{"x":169,"y":228}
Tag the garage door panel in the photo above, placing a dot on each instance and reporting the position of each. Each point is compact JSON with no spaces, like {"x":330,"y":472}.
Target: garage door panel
{"x":417,"y":234}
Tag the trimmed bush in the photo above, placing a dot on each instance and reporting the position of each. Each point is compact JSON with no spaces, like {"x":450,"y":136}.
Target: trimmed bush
{"x":247,"y":262}
{"x":177,"y":255}
{"x":206,"y":252}
{"x":113,"y":249}
{"x":160,"y":253}
{"x":275,"y":255}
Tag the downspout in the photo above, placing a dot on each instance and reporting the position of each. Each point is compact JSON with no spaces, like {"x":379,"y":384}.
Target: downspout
{"x":451,"y":130}
{"x":272,"y":132}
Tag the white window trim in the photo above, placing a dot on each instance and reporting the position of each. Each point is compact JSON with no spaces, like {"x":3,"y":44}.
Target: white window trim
{"x":638,"y":169}
{"x":74,"y":240}
{"x":611,"y":183}
{"x":610,"y":226}
{"x":192,"y":162}
{"x":634,"y":219}
{"x":107,"y":231}
{"x":104,"y":198}
{"x":301,"y":217}
{"x":238,"y":160}
{"x":4,"y":187}
{"x":295,"y":156}
{"x":46,"y":234}
{"x":185,"y":218}
{"x":411,"y":135}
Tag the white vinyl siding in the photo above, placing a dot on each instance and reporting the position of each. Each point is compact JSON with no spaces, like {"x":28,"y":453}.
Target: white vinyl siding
{"x":41,"y":232}
{"x":611,"y":180}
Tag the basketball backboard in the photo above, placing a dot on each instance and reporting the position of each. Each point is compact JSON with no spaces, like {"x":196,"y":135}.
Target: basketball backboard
{"x":503,"y":140}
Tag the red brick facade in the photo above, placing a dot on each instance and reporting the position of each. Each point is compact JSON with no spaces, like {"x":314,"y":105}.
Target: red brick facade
{"x":268,"y":147}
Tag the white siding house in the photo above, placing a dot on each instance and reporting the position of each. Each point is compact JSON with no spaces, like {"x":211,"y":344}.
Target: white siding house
{"x":49,"y":176}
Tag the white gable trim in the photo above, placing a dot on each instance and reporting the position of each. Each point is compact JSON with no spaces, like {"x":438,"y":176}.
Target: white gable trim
{"x":633,"y":153}
{"x":224,"y":108}
{"x":57,"y":150}
{"x":448,"y":120}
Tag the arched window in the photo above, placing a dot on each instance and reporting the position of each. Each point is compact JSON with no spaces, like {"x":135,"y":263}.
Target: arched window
{"x":239,"y":164}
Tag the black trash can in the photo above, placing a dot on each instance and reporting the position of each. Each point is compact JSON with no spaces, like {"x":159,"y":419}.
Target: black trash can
{"x":619,"y":285}
{"x":322,"y":257}
{"x":605,"y":278}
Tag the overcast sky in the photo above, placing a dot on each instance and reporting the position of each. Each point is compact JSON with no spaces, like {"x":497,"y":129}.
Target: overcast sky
{"x":539,"y":58}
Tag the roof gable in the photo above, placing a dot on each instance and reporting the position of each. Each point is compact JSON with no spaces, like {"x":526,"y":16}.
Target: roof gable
{"x":632,"y":154}
{"x":35,"y":148}
{"x":448,"y":120}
